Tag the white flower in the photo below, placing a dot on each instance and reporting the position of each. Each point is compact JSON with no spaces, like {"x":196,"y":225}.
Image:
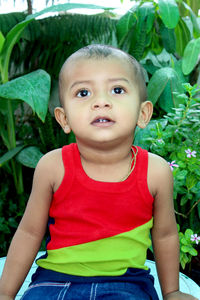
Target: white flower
{"x":190,"y":153}
{"x":195,"y":238}
{"x":172,"y":165}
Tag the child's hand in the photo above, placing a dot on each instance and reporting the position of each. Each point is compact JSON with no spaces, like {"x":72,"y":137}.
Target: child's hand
{"x":179,"y":296}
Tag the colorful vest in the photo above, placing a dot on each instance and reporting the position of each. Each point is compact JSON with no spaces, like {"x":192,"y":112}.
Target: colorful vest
{"x":99,"y":228}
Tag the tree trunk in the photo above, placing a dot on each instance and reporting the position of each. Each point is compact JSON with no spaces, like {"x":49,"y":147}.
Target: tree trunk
{"x":30,"y":7}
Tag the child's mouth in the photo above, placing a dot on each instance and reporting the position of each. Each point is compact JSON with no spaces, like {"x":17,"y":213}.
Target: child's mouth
{"x":102,"y":122}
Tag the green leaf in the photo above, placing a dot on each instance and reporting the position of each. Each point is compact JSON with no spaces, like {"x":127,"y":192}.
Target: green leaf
{"x":191,"y":181}
{"x":156,"y":46}
{"x":138,"y":43}
{"x":193,"y":252}
{"x":29,"y":156}
{"x":190,"y":56}
{"x":168,"y":38}
{"x":2,"y":40}
{"x":33,"y":88}
{"x":184,"y":240}
{"x":64,"y":7}
{"x":188,"y":233}
{"x":164,"y":78}
{"x":196,"y":26}
{"x":9,"y":155}
{"x":153,"y":59}
{"x":125,"y":23}
{"x":146,"y":12}
{"x":11,"y":39}
{"x":141,"y":38}
{"x":183,"y":79}
{"x":142,"y":134}
{"x":169,"y":12}
{"x":182,"y":174}
{"x":194,"y":6}
{"x":14,"y":34}
{"x":185,"y":248}
{"x":183,"y":36}
{"x":184,"y":259}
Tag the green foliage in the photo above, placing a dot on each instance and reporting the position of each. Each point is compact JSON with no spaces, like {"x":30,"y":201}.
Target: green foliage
{"x":164,"y":35}
{"x":191,"y":56}
{"x":163,"y":83}
{"x":187,"y":247}
{"x":169,"y":13}
{"x":176,"y":137}
{"x":32,"y":88}
{"x":8,"y":21}
{"x":64,"y":34}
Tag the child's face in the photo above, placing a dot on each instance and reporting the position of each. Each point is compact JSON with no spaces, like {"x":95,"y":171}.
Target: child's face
{"x":101,"y":100}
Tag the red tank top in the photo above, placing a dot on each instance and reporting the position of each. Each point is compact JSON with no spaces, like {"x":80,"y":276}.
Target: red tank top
{"x":99,"y":220}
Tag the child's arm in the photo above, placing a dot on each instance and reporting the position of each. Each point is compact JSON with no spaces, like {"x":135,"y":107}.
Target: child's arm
{"x":164,"y":232}
{"x":31,"y":230}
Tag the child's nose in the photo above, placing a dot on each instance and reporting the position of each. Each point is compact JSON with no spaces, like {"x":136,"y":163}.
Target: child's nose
{"x":101,"y":102}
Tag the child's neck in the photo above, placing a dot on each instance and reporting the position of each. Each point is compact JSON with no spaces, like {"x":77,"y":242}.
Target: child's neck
{"x":108,"y":165}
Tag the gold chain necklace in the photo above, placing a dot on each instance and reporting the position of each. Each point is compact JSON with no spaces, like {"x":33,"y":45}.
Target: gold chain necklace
{"x":131,"y":168}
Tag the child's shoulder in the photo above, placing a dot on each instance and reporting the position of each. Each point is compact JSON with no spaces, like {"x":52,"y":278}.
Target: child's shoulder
{"x":159,"y":172}
{"x":157,"y":161}
{"x":50,"y":167}
{"x":50,"y":159}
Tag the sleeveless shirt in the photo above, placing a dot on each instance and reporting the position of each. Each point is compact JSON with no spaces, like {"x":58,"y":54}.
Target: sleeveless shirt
{"x":98,"y":228}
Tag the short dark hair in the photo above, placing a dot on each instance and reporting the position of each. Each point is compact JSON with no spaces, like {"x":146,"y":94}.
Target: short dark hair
{"x":98,"y":51}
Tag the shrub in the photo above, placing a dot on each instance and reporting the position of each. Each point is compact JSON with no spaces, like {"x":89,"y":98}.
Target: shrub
{"x":176,"y":137}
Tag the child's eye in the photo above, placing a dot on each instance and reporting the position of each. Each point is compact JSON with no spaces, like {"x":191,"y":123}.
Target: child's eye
{"x":118,"y":90}
{"x":83,"y":93}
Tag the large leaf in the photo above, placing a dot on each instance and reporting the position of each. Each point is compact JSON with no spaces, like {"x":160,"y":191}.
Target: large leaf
{"x":169,"y":97}
{"x":15,"y":33}
{"x":141,"y":36}
{"x":191,"y":56}
{"x":10,"y":154}
{"x":163,"y":79}
{"x":183,"y":36}
{"x":10,"y":40}
{"x":146,"y":12}
{"x":33,"y":88}
{"x":125,"y":23}
{"x":196,"y":26}
{"x":64,"y":7}
{"x":168,"y":38}
{"x":169,"y":12}
{"x":29,"y":156}
{"x":178,"y":68}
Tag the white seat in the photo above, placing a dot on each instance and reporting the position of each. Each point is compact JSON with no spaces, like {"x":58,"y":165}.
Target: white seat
{"x":187,"y":285}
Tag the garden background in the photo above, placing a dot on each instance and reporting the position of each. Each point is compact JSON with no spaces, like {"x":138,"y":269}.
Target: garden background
{"x":164,"y":36}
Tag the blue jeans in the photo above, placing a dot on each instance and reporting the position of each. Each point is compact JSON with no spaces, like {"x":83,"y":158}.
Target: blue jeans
{"x":85,"y":291}
{"x":135,"y":284}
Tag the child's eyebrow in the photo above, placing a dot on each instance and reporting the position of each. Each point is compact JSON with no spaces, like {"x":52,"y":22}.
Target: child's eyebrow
{"x":119,"y":79}
{"x":89,"y":81}
{"x":79,"y":82}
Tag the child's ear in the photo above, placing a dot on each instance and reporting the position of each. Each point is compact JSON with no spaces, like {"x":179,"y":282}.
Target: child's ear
{"x":146,"y":111}
{"x":62,"y":119}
